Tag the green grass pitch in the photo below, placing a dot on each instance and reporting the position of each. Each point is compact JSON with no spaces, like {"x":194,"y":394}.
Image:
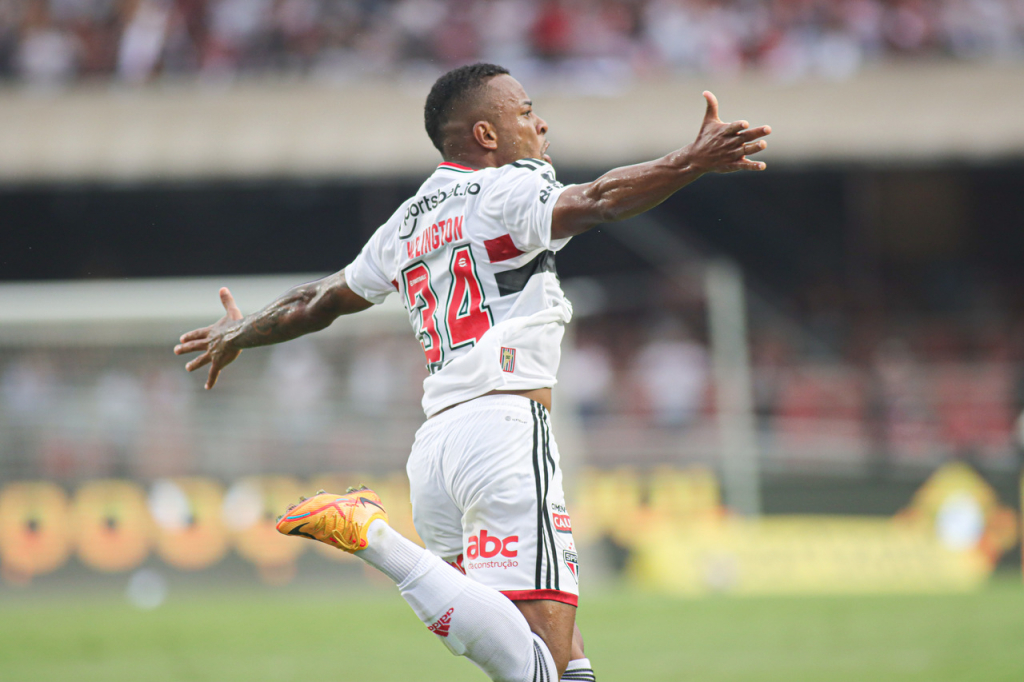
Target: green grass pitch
{"x":369,"y":634}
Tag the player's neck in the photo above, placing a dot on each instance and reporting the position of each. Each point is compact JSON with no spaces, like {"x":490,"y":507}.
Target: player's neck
{"x":477,"y":157}
{"x":470,"y":161}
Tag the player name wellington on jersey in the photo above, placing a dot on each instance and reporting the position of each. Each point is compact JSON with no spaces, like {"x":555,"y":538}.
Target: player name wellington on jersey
{"x":442,"y":232}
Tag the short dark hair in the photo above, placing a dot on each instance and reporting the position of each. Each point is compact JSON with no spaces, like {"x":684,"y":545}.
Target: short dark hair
{"x":451,"y":90}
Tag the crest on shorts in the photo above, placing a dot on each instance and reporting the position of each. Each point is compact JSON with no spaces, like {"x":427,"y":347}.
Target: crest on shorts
{"x":508,"y":359}
{"x":572,"y":563}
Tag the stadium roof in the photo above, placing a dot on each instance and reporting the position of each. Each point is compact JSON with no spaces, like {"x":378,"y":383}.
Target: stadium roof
{"x":912,"y":113}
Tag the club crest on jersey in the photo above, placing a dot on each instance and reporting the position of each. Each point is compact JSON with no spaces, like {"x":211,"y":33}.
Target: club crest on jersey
{"x":572,"y":563}
{"x":508,"y":359}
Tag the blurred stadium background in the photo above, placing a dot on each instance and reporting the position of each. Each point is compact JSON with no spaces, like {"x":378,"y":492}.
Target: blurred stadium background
{"x":803,"y":387}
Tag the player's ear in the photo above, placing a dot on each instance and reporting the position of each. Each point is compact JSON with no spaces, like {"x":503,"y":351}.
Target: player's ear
{"x":486,"y":135}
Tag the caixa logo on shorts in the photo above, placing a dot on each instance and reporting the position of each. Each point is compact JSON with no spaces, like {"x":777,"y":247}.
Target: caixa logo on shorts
{"x":563,"y":524}
{"x":486,"y":546}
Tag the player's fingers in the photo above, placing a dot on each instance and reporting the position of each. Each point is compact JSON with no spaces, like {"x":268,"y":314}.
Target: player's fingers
{"x":211,"y":378}
{"x":194,"y":334}
{"x":746,"y":165}
{"x":755,"y":133}
{"x":228,"y":301}
{"x":736,"y":127}
{"x":191,"y":346}
{"x":712,"y":111}
{"x":754,"y":147}
{"x":201,"y":361}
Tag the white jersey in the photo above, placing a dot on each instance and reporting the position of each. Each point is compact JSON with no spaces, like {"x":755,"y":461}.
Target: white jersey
{"x":472,"y":257}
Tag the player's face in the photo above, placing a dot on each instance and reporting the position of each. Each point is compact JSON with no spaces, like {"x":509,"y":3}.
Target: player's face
{"x":521,"y":132}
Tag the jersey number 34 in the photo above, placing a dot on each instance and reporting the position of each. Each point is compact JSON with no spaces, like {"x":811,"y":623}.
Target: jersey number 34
{"x":466,"y":316}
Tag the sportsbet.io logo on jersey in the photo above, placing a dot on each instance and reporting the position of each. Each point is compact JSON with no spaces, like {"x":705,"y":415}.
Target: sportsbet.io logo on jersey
{"x":429,"y":202}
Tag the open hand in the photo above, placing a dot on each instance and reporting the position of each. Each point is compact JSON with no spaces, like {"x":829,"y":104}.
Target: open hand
{"x":211,"y":340}
{"x":723,"y":147}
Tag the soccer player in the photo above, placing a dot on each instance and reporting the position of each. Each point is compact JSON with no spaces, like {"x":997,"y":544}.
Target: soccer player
{"x":471,"y":255}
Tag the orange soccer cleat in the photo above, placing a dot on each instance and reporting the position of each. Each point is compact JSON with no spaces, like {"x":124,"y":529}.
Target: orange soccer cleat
{"x":337,"y":520}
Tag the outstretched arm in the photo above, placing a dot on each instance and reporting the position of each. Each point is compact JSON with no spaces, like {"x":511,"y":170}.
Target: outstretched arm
{"x":306,"y":308}
{"x":628,"y":191}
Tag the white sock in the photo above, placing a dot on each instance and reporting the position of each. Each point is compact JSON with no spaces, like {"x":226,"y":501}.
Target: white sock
{"x":471,"y":619}
{"x":390,"y":552}
{"x":579,"y":670}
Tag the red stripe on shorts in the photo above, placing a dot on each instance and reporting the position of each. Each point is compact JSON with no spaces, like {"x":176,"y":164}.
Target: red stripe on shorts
{"x":553,"y":595}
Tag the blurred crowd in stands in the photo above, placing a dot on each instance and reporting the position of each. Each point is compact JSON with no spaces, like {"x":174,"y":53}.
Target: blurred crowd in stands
{"x":642,"y":390}
{"x":936,"y":391}
{"x":54,"y":42}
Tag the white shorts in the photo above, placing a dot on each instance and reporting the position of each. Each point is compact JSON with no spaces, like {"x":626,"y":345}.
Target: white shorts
{"x":487,"y":497}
